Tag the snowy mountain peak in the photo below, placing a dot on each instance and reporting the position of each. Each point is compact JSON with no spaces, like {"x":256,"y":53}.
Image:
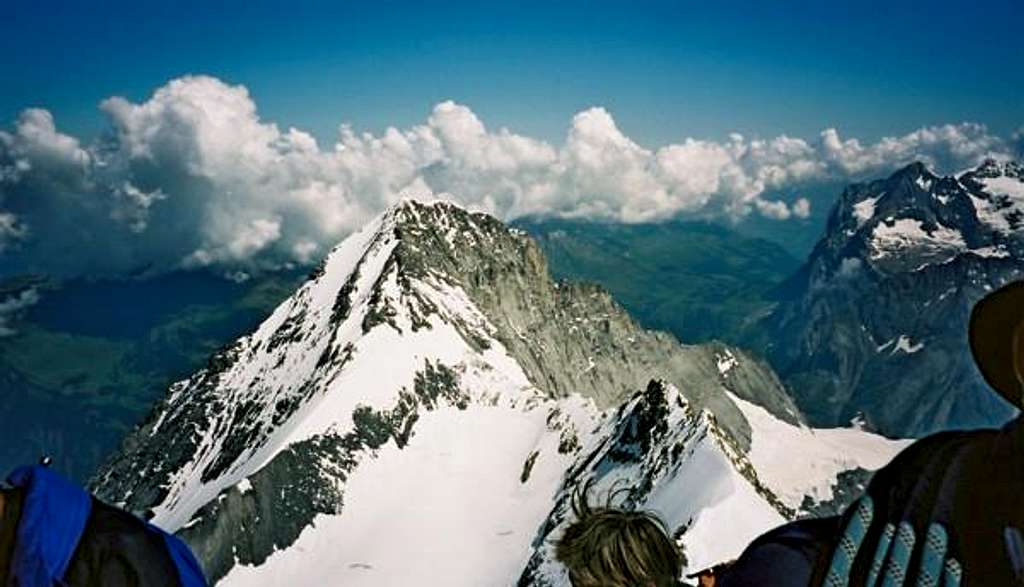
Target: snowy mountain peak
{"x":915,"y":219}
{"x":997,"y":193}
{"x":876,"y":318}
{"x":429,"y":359}
{"x":918,"y":173}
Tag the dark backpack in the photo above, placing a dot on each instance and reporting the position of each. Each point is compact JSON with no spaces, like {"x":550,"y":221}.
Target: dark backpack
{"x":948,"y":509}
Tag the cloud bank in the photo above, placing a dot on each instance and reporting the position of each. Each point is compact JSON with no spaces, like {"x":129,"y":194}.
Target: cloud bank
{"x":192,"y":177}
{"x":12,"y":307}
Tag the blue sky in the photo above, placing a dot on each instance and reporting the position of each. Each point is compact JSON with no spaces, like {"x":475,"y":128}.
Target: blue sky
{"x":666,"y":70}
{"x":615,"y":111}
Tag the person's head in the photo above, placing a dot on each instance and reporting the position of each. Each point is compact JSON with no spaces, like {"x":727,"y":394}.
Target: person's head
{"x":613,"y":547}
{"x":996,"y":335}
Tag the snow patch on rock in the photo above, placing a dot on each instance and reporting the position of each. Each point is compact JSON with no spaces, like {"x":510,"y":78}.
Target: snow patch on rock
{"x":906,"y":236}
{"x":725,"y":362}
{"x":864,"y":210}
{"x":904,"y":344}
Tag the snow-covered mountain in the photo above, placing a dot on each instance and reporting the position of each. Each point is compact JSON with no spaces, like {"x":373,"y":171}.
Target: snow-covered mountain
{"x":419,"y":410}
{"x":876,"y":321}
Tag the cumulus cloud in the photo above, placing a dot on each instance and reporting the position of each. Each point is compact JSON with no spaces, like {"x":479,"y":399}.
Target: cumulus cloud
{"x":946,"y":147}
{"x":193,"y":177}
{"x":802,"y":208}
{"x":12,"y":307}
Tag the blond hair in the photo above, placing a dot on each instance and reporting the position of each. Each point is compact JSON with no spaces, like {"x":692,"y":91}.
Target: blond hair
{"x":613,"y":547}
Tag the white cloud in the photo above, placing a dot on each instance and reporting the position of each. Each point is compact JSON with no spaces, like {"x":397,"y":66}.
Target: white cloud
{"x":36,"y":140}
{"x":193,"y":177}
{"x":945,"y":147}
{"x":773,"y":209}
{"x":12,"y":307}
{"x":802,"y":208}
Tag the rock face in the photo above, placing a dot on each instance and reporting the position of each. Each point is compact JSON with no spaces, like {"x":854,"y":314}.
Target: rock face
{"x":875,"y":323}
{"x":430,"y":379}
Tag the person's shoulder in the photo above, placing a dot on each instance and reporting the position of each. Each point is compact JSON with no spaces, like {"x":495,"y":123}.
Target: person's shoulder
{"x":939,"y":449}
{"x":114,"y":535}
{"x":806,"y":534}
{"x":786,"y":556}
{"x":115,"y":529}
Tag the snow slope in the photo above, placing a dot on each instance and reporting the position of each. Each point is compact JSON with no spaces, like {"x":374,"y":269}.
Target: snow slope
{"x":470,"y":519}
{"x":449,"y":507}
{"x":798,"y":462}
{"x":907,"y":236}
{"x":1000,"y":202}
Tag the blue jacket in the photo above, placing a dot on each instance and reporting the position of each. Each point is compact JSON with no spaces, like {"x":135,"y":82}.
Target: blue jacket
{"x":66,"y":537}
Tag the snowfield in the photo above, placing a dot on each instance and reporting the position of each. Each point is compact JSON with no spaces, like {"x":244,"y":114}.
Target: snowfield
{"x":796,"y":461}
{"x":907,"y":235}
{"x":1003,"y":199}
{"x":449,"y":509}
{"x":470,"y":519}
{"x":864,"y":210}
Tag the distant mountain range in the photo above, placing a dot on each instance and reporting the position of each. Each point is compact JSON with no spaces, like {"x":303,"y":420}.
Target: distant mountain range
{"x":872,"y":325}
{"x":875,"y":322}
{"x":427,"y":401}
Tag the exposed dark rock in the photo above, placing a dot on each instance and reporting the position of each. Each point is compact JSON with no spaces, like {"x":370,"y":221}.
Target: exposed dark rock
{"x":849,"y":486}
{"x":528,"y":466}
